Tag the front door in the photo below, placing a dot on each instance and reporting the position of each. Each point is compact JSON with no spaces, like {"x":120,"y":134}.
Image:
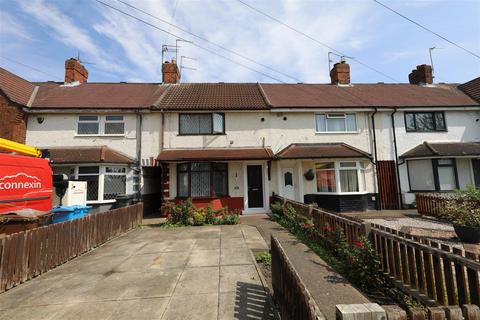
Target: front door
{"x":255,"y":186}
{"x":288,"y":187}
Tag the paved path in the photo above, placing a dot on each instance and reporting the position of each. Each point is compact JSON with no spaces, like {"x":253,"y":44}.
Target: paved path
{"x":151,"y":273}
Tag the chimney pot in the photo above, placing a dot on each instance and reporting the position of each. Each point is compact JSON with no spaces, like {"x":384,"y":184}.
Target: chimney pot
{"x":421,"y":75}
{"x":170,"y":72}
{"x":75,"y":71}
{"x":340,"y":73}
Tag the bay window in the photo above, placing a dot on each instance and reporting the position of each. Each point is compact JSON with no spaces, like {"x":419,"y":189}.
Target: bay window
{"x":202,"y":180}
{"x":201,"y":123}
{"x":432,"y":174}
{"x":340,"y":177}
{"x":336,"y":122}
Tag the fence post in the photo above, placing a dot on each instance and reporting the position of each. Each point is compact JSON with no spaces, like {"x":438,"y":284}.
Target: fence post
{"x":366,"y":230}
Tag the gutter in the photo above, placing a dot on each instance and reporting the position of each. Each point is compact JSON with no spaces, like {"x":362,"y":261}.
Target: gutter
{"x":392,"y":116}
{"x":138,"y":161}
{"x":375,"y":158}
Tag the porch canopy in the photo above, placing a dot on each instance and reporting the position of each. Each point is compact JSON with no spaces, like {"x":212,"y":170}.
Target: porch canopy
{"x":93,"y":154}
{"x":443,"y":149}
{"x":320,"y":150}
{"x":211,"y":154}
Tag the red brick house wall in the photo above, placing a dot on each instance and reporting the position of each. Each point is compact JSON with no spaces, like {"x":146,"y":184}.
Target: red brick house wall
{"x":13,"y":121}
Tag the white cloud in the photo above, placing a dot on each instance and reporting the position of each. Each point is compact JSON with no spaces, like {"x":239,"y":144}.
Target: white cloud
{"x":11,"y":26}
{"x":67,"y":32}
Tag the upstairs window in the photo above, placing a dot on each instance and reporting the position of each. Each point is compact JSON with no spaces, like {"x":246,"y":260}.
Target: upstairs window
{"x":425,"y":121}
{"x":101,"y":125}
{"x":336,"y":122}
{"x":201,"y":123}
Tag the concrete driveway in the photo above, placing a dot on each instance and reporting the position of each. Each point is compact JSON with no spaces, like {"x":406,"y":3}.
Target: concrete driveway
{"x":151,"y":273}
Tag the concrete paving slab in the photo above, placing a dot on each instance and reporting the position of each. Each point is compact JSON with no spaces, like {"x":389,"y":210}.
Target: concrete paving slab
{"x":181,"y":245}
{"x":204,"y":258}
{"x":232,"y":256}
{"x":194,"y":308}
{"x":237,"y":242}
{"x":140,"y":309}
{"x":139,"y":263}
{"x":155,"y":247}
{"x":207,"y":244}
{"x":248,"y":302}
{"x":91,"y":265}
{"x":87,"y":310}
{"x":167,"y":260}
{"x":231,"y":232}
{"x":230,"y":276}
{"x":32,"y":313}
{"x":150,"y":284}
{"x":197,"y":281}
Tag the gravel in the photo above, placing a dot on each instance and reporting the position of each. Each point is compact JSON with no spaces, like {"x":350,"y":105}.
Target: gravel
{"x":398,"y":223}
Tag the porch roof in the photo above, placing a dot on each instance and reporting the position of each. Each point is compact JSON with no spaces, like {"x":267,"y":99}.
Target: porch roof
{"x":321,"y":150}
{"x":443,"y":149}
{"x":63,"y":155}
{"x":215,"y":154}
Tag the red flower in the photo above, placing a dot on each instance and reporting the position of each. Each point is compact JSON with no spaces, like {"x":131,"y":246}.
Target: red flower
{"x":307,"y":225}
{"x":359,"y":244}
{"x":329,"y":228}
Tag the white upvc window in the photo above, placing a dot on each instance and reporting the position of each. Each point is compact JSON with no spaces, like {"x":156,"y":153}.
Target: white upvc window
{"x":340,"y":177}
{"x":109,"y":125}
{"x":104,"y":183}
{"x":335,"y":122}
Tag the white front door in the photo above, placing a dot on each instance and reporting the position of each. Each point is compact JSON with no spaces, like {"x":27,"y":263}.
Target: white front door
{"x":288,"y":184}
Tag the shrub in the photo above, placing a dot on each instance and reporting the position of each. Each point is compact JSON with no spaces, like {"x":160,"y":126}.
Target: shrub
{"x":277,"y":210}
{"x":198,"y":218}
{"x":210,"y":217}
{"x":231,"y":218}
{"x":264,"y":257}
{"x":463,"y":208}
{"x":363,"y":264}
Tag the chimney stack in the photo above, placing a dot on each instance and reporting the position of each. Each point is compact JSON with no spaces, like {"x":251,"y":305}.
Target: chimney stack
{"x":75,"y":71}
{"x":340,"y":73}
{"x":421,"y":75}
{"x":170,"y":72}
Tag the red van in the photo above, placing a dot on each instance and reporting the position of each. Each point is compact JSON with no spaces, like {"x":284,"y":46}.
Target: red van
{"x":25,"y":183}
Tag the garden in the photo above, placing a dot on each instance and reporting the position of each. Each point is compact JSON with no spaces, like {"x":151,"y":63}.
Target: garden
{"x":185,"y":213}
{"x":357,"y":262}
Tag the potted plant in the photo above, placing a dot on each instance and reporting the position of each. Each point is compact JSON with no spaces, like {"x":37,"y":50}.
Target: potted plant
{"x":309,"y":175}
{"x":463,"y":211}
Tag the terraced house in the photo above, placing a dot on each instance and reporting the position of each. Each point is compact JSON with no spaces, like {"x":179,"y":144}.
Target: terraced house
{"x":346,"y":146}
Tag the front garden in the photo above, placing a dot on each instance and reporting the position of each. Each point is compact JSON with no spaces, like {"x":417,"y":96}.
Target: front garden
{"x":357,"y":262}
{"x":185,"y":213}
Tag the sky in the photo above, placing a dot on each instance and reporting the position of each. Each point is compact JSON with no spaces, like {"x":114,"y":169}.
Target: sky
{"x":37,"y":36}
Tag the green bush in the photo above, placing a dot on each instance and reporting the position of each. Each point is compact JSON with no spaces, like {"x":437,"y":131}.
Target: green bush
{"x":463,"y":208}
{"x":198,"y":218}
{"x":185,"y":214}
{"x":264,"y":257}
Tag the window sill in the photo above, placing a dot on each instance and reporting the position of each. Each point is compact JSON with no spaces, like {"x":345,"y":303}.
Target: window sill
{"x":101,"y":202}
{"x":432,"y":131}
{"x":200,"y":134}
{"x":342,"y":193}
{"x":336,"y":132}
{"x":99,"y":135}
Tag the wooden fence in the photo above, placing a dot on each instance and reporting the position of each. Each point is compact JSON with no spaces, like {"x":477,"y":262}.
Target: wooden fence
{"x":27,"y":254}
{"x":431,"y":204}
{"x":432,"y":272}
{"x":290,"y":294}
{"x":436,"y":274}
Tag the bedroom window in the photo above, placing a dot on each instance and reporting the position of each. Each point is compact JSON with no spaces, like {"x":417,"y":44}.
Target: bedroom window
{"x":201,"y":123}
{"x":101,"y":125}
{"x":425,"y":121}
{"x":336,"y":122}
{"x":202,"y":180}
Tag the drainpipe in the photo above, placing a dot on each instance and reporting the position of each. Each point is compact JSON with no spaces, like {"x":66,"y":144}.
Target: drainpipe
{"x":138,"y":169}
{"x":375,"y":158}
{"x":396,"y":156}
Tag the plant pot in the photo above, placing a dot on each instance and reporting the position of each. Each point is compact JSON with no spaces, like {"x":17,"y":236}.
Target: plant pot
{"x":468,"y":234}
